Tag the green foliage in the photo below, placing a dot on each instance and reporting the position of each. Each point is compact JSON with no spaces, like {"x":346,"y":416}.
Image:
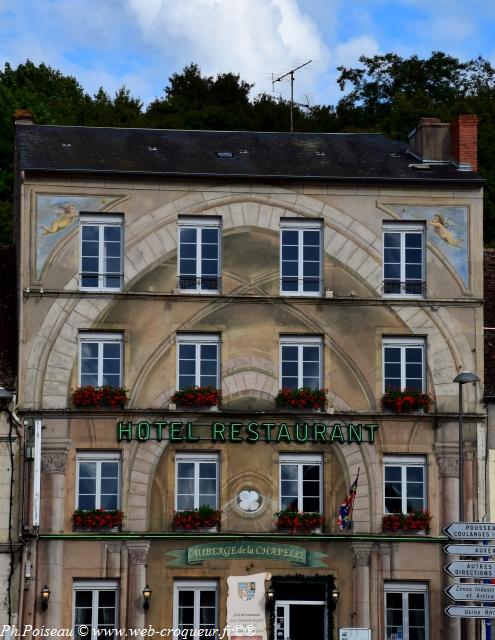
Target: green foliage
{"x":385,"y":93}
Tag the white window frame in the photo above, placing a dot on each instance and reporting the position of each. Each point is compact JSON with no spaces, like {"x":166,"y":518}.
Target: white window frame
{"x":196,"y":459}
{"x":101,"y":338}
{"x":198,"y":339}
{"x":199,"y":223}
{"x":403,"y":228}
{"x":406,"y":588}
{"x":403,"y":343}
{"x":95,"y":587}
{"x":300,"y":460}
{"x":197,"y":586}
{"x":404,"y":462}
{"x":101,"y":221}
{"x":301,"y":225}
{"x":99,"y":457}
{"x":300,"y":342}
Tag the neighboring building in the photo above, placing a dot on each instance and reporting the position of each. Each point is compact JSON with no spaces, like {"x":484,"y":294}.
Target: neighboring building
{"x":489,"y":390}
{"x":251,"y":262}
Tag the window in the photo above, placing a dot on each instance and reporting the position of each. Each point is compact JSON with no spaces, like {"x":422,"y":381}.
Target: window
{"x":98,"y":481}
{"x":301,"y":479}
{"x":403,"y":260}
{"x":95,"y":607}
{"x":101,"y":252}
{"x":100,"y":359}
{"x":300,"y":362}
{"x":198,"y":362}
{"x":404,"y":364}
{"x":300,"y":257}
{"x":406,"y":611}
{"x":195,"y":607}
{"x":196,"y":481}
{"x":404,"y":482}
{"x":199,"y":254}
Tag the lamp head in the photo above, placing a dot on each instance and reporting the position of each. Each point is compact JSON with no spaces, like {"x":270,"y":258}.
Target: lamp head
{"x":45,"y":596}
{"x":464,"y":377}
{"x":146,"y":597}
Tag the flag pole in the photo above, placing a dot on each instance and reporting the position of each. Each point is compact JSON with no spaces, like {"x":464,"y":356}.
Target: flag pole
{"x":353,"y":498}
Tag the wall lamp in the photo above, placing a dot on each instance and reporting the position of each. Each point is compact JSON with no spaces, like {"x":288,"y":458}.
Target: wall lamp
{"x":270,"y":597}
{"x":334,"y":595}
{"x":45,"y":596}
{"x":146,"y":597}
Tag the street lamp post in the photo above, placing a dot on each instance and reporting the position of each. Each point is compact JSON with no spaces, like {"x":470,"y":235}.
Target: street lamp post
{"x":464,"y":377}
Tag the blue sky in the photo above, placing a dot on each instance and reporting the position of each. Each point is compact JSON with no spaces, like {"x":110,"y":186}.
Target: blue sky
{"x":140,"y":43}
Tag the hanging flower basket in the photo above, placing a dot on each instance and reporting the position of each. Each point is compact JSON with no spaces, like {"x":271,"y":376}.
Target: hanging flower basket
{"x":90,"y":397}
{"x":407,"y":522}
{"x":97,"y":519}
{"x":197,"y":397}
{"x":196,"y":519}
{"x":304,"y":398}
{"x":406,"y":401}
{"x":298,"y":521}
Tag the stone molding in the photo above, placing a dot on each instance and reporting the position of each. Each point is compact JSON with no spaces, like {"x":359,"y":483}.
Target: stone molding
{"x":53,"y":461}
{"x":361,"y":554}
{"x":448,"y":466}
{"x":138,"y":552}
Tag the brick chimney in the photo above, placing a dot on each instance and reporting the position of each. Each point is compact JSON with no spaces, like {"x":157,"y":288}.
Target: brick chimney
{"x":23,"y":116}
{"x":464,"y":142}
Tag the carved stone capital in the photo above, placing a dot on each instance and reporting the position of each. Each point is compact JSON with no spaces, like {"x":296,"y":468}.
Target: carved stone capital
{"x":448,"y":466}
{"x":138,"y":553}
{"x":361,"y":555}
{"x":53,"y":461}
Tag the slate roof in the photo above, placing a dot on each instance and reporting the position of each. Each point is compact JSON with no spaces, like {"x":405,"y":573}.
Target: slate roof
{"x":256,"y":155}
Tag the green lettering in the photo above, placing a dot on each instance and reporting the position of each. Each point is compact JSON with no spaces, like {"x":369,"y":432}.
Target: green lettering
{"x":189,"y":433}
{"x":174,"y":432}
{"x":337,"y":434}
{"x":319,"y":432}
{"x":235,"y":429}
{"x":283,"y":433}
{"x":124,"y":431}
{"x":268,"y":430}
{"x":143,"y":430}
{"x":354,"y":433}
{"x":159,"y":429}
{"x":218,"y":432}
{"x":301,"y":437}
{"x":371,"y":432}
{"x":252,"y":430}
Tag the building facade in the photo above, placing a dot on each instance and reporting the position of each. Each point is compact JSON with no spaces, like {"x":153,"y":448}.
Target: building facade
{"x":255,"y":264}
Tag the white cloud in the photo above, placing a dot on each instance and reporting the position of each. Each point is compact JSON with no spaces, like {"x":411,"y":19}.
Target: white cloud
{"x":348,"y":53}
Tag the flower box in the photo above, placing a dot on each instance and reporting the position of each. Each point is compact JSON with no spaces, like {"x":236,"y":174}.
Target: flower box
{"x":197,"y":397}
{"x":96,"y":519}
{"x":95,"y":397}
{"x":406,"y":401}
{"x":412,"y":522}
{"x":296,"y":522}
{"x":203,"y":519}
{"x":304,"y":398}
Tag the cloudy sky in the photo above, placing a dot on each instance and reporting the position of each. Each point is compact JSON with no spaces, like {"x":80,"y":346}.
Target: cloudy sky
{"x":140,"y":43}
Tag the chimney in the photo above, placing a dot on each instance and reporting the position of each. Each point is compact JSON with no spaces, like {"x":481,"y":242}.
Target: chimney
{"x":430,"y":141}
{"x":23,"y":116}
{"x":464,"y":145}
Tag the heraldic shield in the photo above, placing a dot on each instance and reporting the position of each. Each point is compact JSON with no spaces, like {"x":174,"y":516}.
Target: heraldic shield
{"x":246,"y":590}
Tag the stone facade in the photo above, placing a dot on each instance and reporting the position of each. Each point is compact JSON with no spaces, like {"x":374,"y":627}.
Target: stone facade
{"x":351,"y":318}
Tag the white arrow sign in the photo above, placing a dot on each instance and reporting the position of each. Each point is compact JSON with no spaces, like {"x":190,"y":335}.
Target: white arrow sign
{"x":455,"y":611}
{"x":468,"y":569}
{"x":470,"y":530}
{"x":470,"y":550}
{"x":471,"y":591}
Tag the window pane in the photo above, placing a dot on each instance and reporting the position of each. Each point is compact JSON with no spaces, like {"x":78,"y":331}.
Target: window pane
{"x":413,"y":240}
{"x":289,"y":472}
{"x":208,"y":470}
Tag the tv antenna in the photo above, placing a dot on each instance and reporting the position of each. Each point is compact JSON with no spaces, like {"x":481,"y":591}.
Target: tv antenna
{"x":279,"y":79}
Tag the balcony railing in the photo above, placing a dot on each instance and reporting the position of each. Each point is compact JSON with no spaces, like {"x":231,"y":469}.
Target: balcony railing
{"x":407,"y":288}
{"x":199,"y":283}
{"x":293,"y":284}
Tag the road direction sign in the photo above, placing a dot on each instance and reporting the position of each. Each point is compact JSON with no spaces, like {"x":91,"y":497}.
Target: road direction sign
{"x":470,"y":549}
{"x":471,"y":591}
{"x":470,"y":530}
{"x":470,"y":569}
{"x":459,"y":611}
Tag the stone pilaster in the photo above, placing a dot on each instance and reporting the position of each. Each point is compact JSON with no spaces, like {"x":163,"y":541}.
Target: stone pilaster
{"x":138,"y":560}
{"x":361,"y":560}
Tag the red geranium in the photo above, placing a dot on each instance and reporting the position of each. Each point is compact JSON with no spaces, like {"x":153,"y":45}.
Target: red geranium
{"x":198,"y":397}
{"x":93,"y":397}
{"x":97,"y":518}
{"x":304,"y":398}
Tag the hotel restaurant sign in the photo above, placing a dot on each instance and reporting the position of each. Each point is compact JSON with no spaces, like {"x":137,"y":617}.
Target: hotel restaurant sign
{"x":223,"y":432}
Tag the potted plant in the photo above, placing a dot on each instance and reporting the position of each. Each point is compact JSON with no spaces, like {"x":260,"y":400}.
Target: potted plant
{"x":298,"y":521}
{"x":205,"y":517}
{"x":304,"y":398}
{"x":97,"y":519}
{"x":206,"y":396}
{"x":406,"y":401}
{"x":91,"y":397}
{"x":407,"y":522}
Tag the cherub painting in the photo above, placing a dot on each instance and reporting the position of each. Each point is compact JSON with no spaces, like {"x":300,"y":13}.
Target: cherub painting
{"x":441,"y":228}
{"x":66,"y":215}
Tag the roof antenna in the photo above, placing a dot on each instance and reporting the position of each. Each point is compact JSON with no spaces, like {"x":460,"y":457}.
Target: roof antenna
{"x":291,"y":74}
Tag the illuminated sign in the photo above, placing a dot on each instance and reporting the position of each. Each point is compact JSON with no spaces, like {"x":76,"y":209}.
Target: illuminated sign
{"x":222,"y":432}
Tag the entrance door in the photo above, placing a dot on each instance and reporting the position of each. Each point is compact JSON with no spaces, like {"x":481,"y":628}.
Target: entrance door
{"x":300,"y":620}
